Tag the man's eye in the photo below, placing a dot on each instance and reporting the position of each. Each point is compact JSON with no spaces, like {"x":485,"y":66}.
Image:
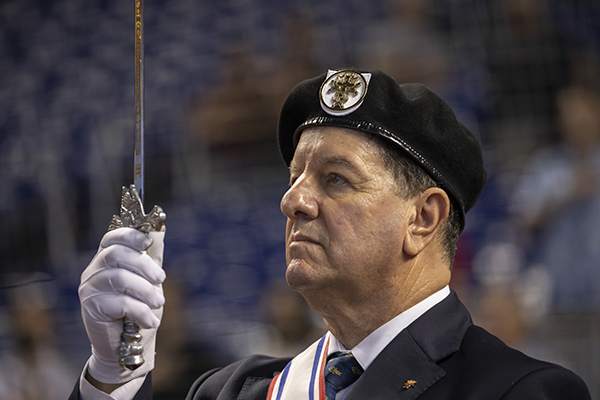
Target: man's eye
{"x":336,"y":179}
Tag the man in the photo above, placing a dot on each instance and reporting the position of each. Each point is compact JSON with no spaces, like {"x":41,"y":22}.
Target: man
{"x":381,"y":176}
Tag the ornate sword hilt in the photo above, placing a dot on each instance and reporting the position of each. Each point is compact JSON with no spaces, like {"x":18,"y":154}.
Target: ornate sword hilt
{"x":132,"y":216}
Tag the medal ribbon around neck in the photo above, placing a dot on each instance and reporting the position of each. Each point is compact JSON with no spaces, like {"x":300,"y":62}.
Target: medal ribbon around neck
{"x":303,"y":377}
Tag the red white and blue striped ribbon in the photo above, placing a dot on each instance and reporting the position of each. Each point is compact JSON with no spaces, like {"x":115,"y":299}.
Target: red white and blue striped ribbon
{"x":303,"y":377}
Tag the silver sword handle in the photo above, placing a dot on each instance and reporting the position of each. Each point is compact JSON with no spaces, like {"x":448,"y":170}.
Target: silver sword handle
{"x":132,"y":216}
{"x":131,"y":349}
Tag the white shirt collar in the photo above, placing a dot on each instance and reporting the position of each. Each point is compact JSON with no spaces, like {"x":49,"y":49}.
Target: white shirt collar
{"x":367,"y":350}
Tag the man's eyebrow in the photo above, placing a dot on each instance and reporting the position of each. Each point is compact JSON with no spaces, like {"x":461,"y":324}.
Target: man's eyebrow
{"x":333,"y":160}
{"x":338,"y":160}
{"x":342,"y":162}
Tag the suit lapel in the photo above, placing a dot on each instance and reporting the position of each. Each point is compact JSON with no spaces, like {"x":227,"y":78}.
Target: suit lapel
{"x":400,"y":364}
{"x":407,"y":367}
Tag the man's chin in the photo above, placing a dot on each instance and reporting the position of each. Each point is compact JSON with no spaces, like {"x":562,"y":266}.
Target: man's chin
{"x":300,"y":276}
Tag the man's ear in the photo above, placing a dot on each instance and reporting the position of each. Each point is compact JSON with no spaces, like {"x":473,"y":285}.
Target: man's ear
{"x":429,"y":211}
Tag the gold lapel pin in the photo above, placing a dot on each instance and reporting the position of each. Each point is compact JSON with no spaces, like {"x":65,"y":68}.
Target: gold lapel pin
{"x":409,"y":383}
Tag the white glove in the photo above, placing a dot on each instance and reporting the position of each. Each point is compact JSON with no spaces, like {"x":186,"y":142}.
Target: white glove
{"x":122,"y":280}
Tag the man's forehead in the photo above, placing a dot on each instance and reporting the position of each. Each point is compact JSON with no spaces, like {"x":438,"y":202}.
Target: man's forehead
{"x":312,"y":133}
{"x":333,"y":145}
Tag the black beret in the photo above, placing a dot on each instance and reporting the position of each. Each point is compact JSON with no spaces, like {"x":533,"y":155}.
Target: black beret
{"x":410,"y":115}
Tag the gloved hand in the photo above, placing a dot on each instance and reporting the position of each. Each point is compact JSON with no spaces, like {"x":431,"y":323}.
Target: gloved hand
{"x":123,"y":280}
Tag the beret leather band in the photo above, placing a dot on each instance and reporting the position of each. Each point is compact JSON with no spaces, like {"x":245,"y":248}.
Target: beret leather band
{"x":416,"y":120}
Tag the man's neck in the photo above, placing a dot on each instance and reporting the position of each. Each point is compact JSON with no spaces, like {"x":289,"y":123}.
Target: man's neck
{"x":370,"y":347}
{"x":352,"y":325}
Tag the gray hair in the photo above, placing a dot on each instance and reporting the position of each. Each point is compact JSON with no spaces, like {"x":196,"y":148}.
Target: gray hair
{"x":411,"y":180}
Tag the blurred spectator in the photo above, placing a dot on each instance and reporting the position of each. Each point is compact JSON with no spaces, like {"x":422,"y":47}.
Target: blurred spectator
{"x":180,"y":358}
{"x":237,"y":111}
{"x":291,"y":321}
{"x":501,"y":314}
{"x":33,"y":369}
{"x":528,"y":63}
{"x":557,"y":202}
{"x":298,"y":61}
{"x":407,"y":44}
{"x":512,"y":308}
{"x":556,"y":205}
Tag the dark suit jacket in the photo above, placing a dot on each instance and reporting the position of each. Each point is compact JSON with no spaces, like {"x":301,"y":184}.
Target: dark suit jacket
{"x":447,"y":356}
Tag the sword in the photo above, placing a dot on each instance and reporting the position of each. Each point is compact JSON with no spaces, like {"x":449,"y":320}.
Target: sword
{"x":132,"y":209}
{"x":138,"y":98}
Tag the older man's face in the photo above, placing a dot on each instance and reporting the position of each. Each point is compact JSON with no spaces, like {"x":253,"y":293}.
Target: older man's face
{"x":346,"y":224}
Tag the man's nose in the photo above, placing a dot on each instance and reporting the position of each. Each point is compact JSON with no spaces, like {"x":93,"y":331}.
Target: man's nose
{"x":300,"y":200}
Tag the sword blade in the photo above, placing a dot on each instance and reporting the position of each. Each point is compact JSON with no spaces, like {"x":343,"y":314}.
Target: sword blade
{"x":138,"y":169}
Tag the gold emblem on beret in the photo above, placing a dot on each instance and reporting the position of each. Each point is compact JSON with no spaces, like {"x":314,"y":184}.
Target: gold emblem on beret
{"x":343,"y":91}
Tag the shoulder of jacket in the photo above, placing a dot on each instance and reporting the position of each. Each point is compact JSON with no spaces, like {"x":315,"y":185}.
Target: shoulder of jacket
{"x":491,"y":357}
{"x":233,"y":377}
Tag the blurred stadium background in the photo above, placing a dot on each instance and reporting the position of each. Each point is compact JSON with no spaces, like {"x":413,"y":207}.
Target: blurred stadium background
{"x":216,"y":75}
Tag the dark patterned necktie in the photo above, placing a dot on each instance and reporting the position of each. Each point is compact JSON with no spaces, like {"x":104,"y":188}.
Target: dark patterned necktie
{"x":341,"y":371}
